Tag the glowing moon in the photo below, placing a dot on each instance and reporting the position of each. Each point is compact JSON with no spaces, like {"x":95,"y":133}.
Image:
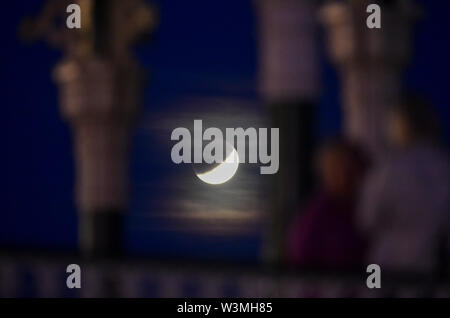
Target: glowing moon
{"x":223,"y":172}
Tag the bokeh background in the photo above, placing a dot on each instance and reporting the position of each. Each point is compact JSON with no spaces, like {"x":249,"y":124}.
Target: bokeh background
{"x":202,"y":53}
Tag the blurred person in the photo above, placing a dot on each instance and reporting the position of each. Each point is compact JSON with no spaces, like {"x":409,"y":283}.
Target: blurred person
{"x":324,"y":235}
{"x":405,"y":203}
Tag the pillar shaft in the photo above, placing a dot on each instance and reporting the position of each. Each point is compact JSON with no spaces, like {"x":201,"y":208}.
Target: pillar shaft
{"x":100,"y":100}
{"x":370,"y":63}
{"x":100,"y":90}
{"x":289,"y":79}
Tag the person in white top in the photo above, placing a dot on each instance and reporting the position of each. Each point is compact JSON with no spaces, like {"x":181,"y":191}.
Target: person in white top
{"x":405,"y":205}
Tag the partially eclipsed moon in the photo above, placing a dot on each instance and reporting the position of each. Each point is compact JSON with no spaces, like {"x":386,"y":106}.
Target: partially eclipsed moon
{"x":223,"y":172}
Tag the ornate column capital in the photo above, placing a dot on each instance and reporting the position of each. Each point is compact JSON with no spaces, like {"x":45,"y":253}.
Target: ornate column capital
{"x":108,"y":28}
{"x":100,"y":87}
{"x":351,"y":41}
{"x":370,"y":63}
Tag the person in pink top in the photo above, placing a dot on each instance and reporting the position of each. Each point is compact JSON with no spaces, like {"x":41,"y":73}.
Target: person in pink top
{"x":323,"y":234}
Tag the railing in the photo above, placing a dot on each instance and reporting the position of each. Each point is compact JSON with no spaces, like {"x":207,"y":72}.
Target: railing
{"x":29,"y":275}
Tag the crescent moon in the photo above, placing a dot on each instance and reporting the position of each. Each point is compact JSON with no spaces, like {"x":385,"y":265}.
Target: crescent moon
{"x":223,"y":172}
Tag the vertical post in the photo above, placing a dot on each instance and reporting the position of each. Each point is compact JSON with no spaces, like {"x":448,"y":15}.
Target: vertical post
{"x":289,"y":78}
{"x":100,"y":88}
{"x":370,"y":63}
{"x":100,"y":101}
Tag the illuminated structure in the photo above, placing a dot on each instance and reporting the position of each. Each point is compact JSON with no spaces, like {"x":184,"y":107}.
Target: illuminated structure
{"x":370,"y":63}
{"x":289,"y":84}
{"x":99,"y":85}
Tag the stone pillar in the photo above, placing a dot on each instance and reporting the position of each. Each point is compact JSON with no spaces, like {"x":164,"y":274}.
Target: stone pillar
{"x":100,"y":101}
{"x":370,"y":63}
{"x":289,"y":78}
{"x":100,"y":88}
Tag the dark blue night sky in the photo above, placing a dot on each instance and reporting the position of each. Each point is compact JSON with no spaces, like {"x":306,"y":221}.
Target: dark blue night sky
{"x":201,"y":47}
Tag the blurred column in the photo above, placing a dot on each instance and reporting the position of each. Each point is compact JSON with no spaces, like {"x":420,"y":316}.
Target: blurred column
{"x":370,"y":62}
{"x":289,"y":78}
{"x":99,"y":98}
{"x":100,"y":87}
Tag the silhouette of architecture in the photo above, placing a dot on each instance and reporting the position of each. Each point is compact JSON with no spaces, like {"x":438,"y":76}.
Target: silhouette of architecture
{"x":289,"y":81}
{"x":100,"y":86}
{"x":370,"y":63}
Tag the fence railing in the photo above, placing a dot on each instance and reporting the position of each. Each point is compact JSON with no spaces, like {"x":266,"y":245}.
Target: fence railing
{"x":45,"y":276}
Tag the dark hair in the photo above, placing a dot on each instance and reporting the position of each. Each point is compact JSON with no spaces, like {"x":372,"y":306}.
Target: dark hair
{"x":348,"y":147}
{"x":420,"y":117}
